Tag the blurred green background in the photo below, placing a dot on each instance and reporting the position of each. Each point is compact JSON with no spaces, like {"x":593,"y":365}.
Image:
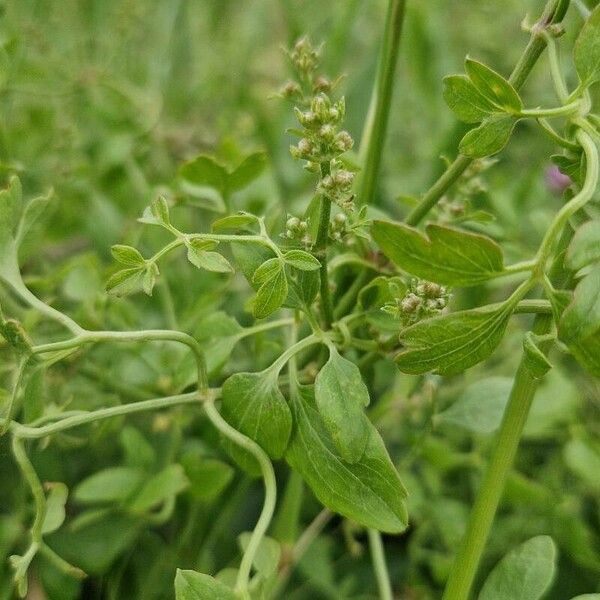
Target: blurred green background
{"x":103,"y":100}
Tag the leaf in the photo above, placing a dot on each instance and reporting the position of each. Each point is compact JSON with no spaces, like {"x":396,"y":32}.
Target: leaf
{"x":581,"y":318}
{"x":127,"y":255}
{"x":369,"y":491}
{"x":31,"y":213}
{"x":149,"y":279}
{"x":303,"y":289}
{"x":445,"y":255}
{"x":489,"y":138}
{"x":586,"y":52}
{"x":126,"y":281}
{"x":584,"y":248}
{"x":160,"y":211}
{"x":301,"y":260}
{"x":250,"y":168}
{"x":267,"y":556}
{"x":55,"y":507}
{"x":190,"y":585}
{"x":583,"y":458}
{"x":204,"y":171}
{"x":254,"y":405}
{"x":248,"y":257}
{"x":465,"y":101}
{"x":525,"y":573}
{"x":535,"y":360}
{"x":209,"y":261}
{"x":449,"y":344}
{"x":237,"y":221}
{"x":208,"y":477}
{"x":11,"y":209}
{"x":162,"y":486}
{"x":271,"y":295}
{"x":267,"y":271}
{"x":341,"y":396}
{"x":480,"y":407}
{"x":493,"y":86}
{"x":114,"y":484}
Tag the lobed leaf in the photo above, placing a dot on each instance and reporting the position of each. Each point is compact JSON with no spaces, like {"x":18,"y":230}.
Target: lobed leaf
{"x":445,"y":255}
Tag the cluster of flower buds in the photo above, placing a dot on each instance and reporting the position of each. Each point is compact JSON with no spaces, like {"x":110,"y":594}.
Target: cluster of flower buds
{"x":321,"y":141}
{"x":337,"y":186}
{"x":338,"y":227}
{"x":423,"y":299}
{"x":297,"y":229}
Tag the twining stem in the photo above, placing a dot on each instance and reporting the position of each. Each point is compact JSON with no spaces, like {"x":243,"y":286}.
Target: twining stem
{"x":266,"y":514}
{"x":557,"y":78}
{"x":554,"y":12}
{"x":320,"y":251}
{"x":379,"y":565}
{"x":570,"y":109}
{"x":373,"y":136}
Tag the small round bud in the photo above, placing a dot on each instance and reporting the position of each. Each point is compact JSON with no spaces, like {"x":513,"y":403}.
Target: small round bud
{"x":322,"y":84}
{"x":327,"y":182}
{"x":327,"y":132}
{"x":292,"y":223}
{"x":340,"y":218}
{"x":344,"y":178}
{"x":410,"y":304}
{"x":343,"y":141}
{"x":305,"y":146}
{"x":290,"y":89}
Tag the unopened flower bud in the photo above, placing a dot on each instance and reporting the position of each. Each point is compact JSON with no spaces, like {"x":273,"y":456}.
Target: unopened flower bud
{"x":327,"y":132}
{"x":343,"y":141}
{"x":290,"y":89}
{"x":292,"y":223}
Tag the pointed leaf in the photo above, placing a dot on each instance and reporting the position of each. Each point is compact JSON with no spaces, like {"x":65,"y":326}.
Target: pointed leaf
{"x":301,"y":260}
{"x":271,"y":295}
{"x":127,"y":255}
{"x":55,"y":507}
{"x":237,"y":221}
{"x":126,"y":281}
{"x":204,"y":171}
{"x":584,"y":248}
{"x":114,"y":484}
{"x":465,"y":101}
{"x":190,"y":585}
{"x":160,"y":487}
{"x":489,"y":138}
{"x":493,"y":86}
{"x":587,"y":50}
{"x":250,"y":168}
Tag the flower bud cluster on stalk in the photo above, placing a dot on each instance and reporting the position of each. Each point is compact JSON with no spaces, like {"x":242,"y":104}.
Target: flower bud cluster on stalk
{"x":422,"y":300}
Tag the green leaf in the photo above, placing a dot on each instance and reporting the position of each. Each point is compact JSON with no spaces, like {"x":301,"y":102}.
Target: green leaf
{"x":126,"y":281}
{"x":208,"y":477}
{"x":449,"y":344}
{"x":160,"y":210}
{"x":525,"y":573}
{"x":11,"y":209}
{"x":250,"y":168}
{"x":248,"y":257}
{"x":582,"y":456}
{"x":271,"y":294}
{"x":127,"y":255}
{"x":301,"y":260}
{"x":267,"y":271}
{"x":159,"y":488}
{"x":341,"y":396}
{"x":55,"y":507}
{"x":114,"y":484}
{"x":586,"y":53}
{"x":489,"y":138}
{"x":254,"y":405}
{"x":237,"y":221}
{"x":204,"y":171}
{"x":535,"y":360}
{"x":209,"y":261}
{"x":480,"y":407}
{"x":31,"y":213}
{"x":267,"y":556}
{"x":465,"y":101}
{"x":190,"y":585}
{"x":584,"y":248}
{"x":149,"y":279}
{"x":581,"y":319}
{"x":587,"y":597}
{"x":493,"y":86}
{"x":303,"y":289}
{"x":445,"y":255}
{"x":369,"y":491}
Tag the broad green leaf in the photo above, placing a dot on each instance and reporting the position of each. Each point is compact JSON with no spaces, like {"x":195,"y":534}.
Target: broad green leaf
{"x":303,"y":289}
{"x":237,"y":221}
{"x":445,"y":255}
{"x":267,"y":271}
{"x":208,"y":477}
{"x":341,"y":396}
{"x":581,"y":319}
{"x":301,"y":260}
{"x":55,"y":507}
{"x":587,"y":353}
{"x":584,"y":248}
{"x":489,"y":138}
{"x":369,"y":491}
{"x":525,"y":573}
{"x":126,"y":281}
{"x":493,"y":86}
{"x":451,"y":343}
{"x":586,"y":53}
{"x":535,"y":360}
{"x":271,"y":295}
{"x":160,"y":487}
{"x":160,"y":210}
{"x":250,"y":168}
{"x":248,"y":257}
{"x":480,"y":407}
{"x":149,"y":278}
{"x":138,"y":451}
{"x":127,"y":255}
{"x":465,"y":101}
{"x":253,"y":404}
{"x":205,"y":171}
{"x":268,"y":555}
{"x":115,"y":484}
{"x":190,"y":585}
{"x":209,"y":261}
{"x":583,"y":458}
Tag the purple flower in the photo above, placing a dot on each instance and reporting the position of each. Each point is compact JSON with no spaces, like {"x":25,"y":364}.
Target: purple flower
{"x":556,"y":181}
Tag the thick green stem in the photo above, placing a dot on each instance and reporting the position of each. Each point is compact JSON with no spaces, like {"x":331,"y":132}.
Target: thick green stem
{"x":553,"y":13}
{"x":379,"y":565}
{"x":320,"y":251}
{"x":373,"y":137}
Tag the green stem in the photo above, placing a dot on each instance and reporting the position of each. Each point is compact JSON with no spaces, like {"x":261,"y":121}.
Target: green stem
{"x":373,"y":137}
{"x":320,"y":251}
{"x":379,"y":565}
{"x":554,"y":12}
{"x":270,"y":493}
{"x":309,"y":340}
{"x":560,"y":87}
{"x":570,"y":109}
{"x":558,"y":139}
